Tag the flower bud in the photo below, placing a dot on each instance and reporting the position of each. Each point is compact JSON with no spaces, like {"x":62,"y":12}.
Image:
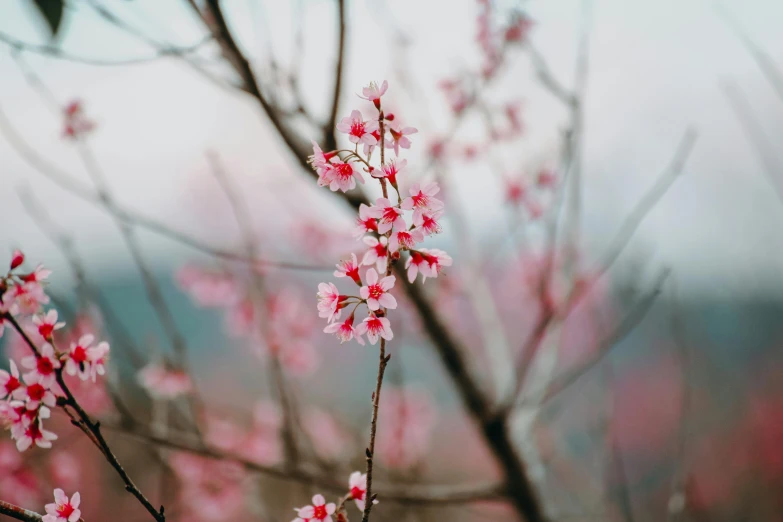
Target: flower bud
{"x":17,"y":259}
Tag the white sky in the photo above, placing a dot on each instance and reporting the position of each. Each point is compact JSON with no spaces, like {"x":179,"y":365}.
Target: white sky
{"x":655,"y":68}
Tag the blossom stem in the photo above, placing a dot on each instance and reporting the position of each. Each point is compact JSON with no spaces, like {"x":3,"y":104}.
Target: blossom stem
{"x":383,"y":359}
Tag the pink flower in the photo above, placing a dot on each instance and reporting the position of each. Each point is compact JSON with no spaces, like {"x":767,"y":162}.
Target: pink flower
{"x":422,"y":197}
{"x":357,"y":486}
{"x":163,"y":382}
{"x":341,"y":176}
{"x":42,"y":369}
{"x":319,"y":510}
{"x":344,"y":331}
{"x":376,"y":292}
{"x":328,"y":301}
{"x":391,"y":170}
{"x":47,"y":324}
{"x":365,"y":222}
{"x":516,"y":191}
{"x":373,"y":93}
{"x":320,"y":160}
{"x":411,"y":414}
{"x":27,"y":298}
{"x":33,"y":433}
{"x":374,"y":327}
{"x":358,"y":130}
{"x":97,"y":357}
{"x":76,"y":123}
{"x":78,"y":361}
{"x":519,"y":29}
{"x":36,"y":276}
{"x":427,"y":221}
{"x":208,"y":288}
{"x":349,"y":268}
{"x":399,"y":137}
{"x":388,"y":215}
{"x":404,"y":238}
{"x":547,"y":178}
{"x":436,"y":259}
{"x":10,"y":386}
{"x":377,"y":253}
{"x":37,"y":394}
{"x":63,"y":510}
{"x":17,"y":258}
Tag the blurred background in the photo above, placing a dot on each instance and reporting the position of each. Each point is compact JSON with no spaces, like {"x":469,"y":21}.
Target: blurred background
{"x":612,"y":190}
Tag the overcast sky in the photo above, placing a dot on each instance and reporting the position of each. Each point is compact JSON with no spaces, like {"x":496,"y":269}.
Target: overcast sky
{"x":655,"y":68}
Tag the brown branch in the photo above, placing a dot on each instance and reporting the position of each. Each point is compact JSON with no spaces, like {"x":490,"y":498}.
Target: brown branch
{"x":421,"y":494}
{"x":383,"y":358}
{"x":92,"y":429}
{"x":57,"y":53}
{"x":18,"y":513}
{"x":331,"y":141}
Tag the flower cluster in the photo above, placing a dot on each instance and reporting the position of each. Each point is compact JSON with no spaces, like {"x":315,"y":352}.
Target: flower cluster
{"x":386,"y":228}
{"x":321,"y":511}
{"x":26,"y":400}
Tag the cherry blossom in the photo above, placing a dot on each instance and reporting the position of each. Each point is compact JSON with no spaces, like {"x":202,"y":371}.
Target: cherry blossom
{"x":27,"y":298}
{"x":341,"y":176}
{"x":319,"y":510}
{"x":76,"y":123}
{"x":388,"y":215}
{"x":329,"y":301}
{"x":399,"y":137}
{"x":10,"y":385}
{"x":391,"y":170}
{"x":17,"y":258}
{"x":42,"y":369}
{"x":365,"y":223}
{"x":344,"y":331}
{"x":38,"y":275}
{"x":376,"y":292}
{"x":377,"y":253}
{"x":427,"y":221}
{"x":163,"y":382}
{"x":547,"y":178}
{"x":358,"y":130}
{"x":33,"y":433}
{"x":421,"y":197}
{"x":320,"y":160}
{"x":357,"y":487}
{"x":36,"y":394}
{"x":349,"y":268}
{"x":78,"y":361}
{"x":436,"y":259}
{"x":373,"y":93}
{"x":375,"y":327}
{"x":47,"y":324}
{"x":63,"y":509}
{"x":402,"y":238}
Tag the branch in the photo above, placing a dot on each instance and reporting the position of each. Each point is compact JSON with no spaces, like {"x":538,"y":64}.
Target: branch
{"x":616,"y":247}
{"x":331,"y":141}
{"x":56,"y":52}
{"x":18,"y":513}
{"x":637,"y":313}
{"x":90,"y":428}
{"x":412,"y":494}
